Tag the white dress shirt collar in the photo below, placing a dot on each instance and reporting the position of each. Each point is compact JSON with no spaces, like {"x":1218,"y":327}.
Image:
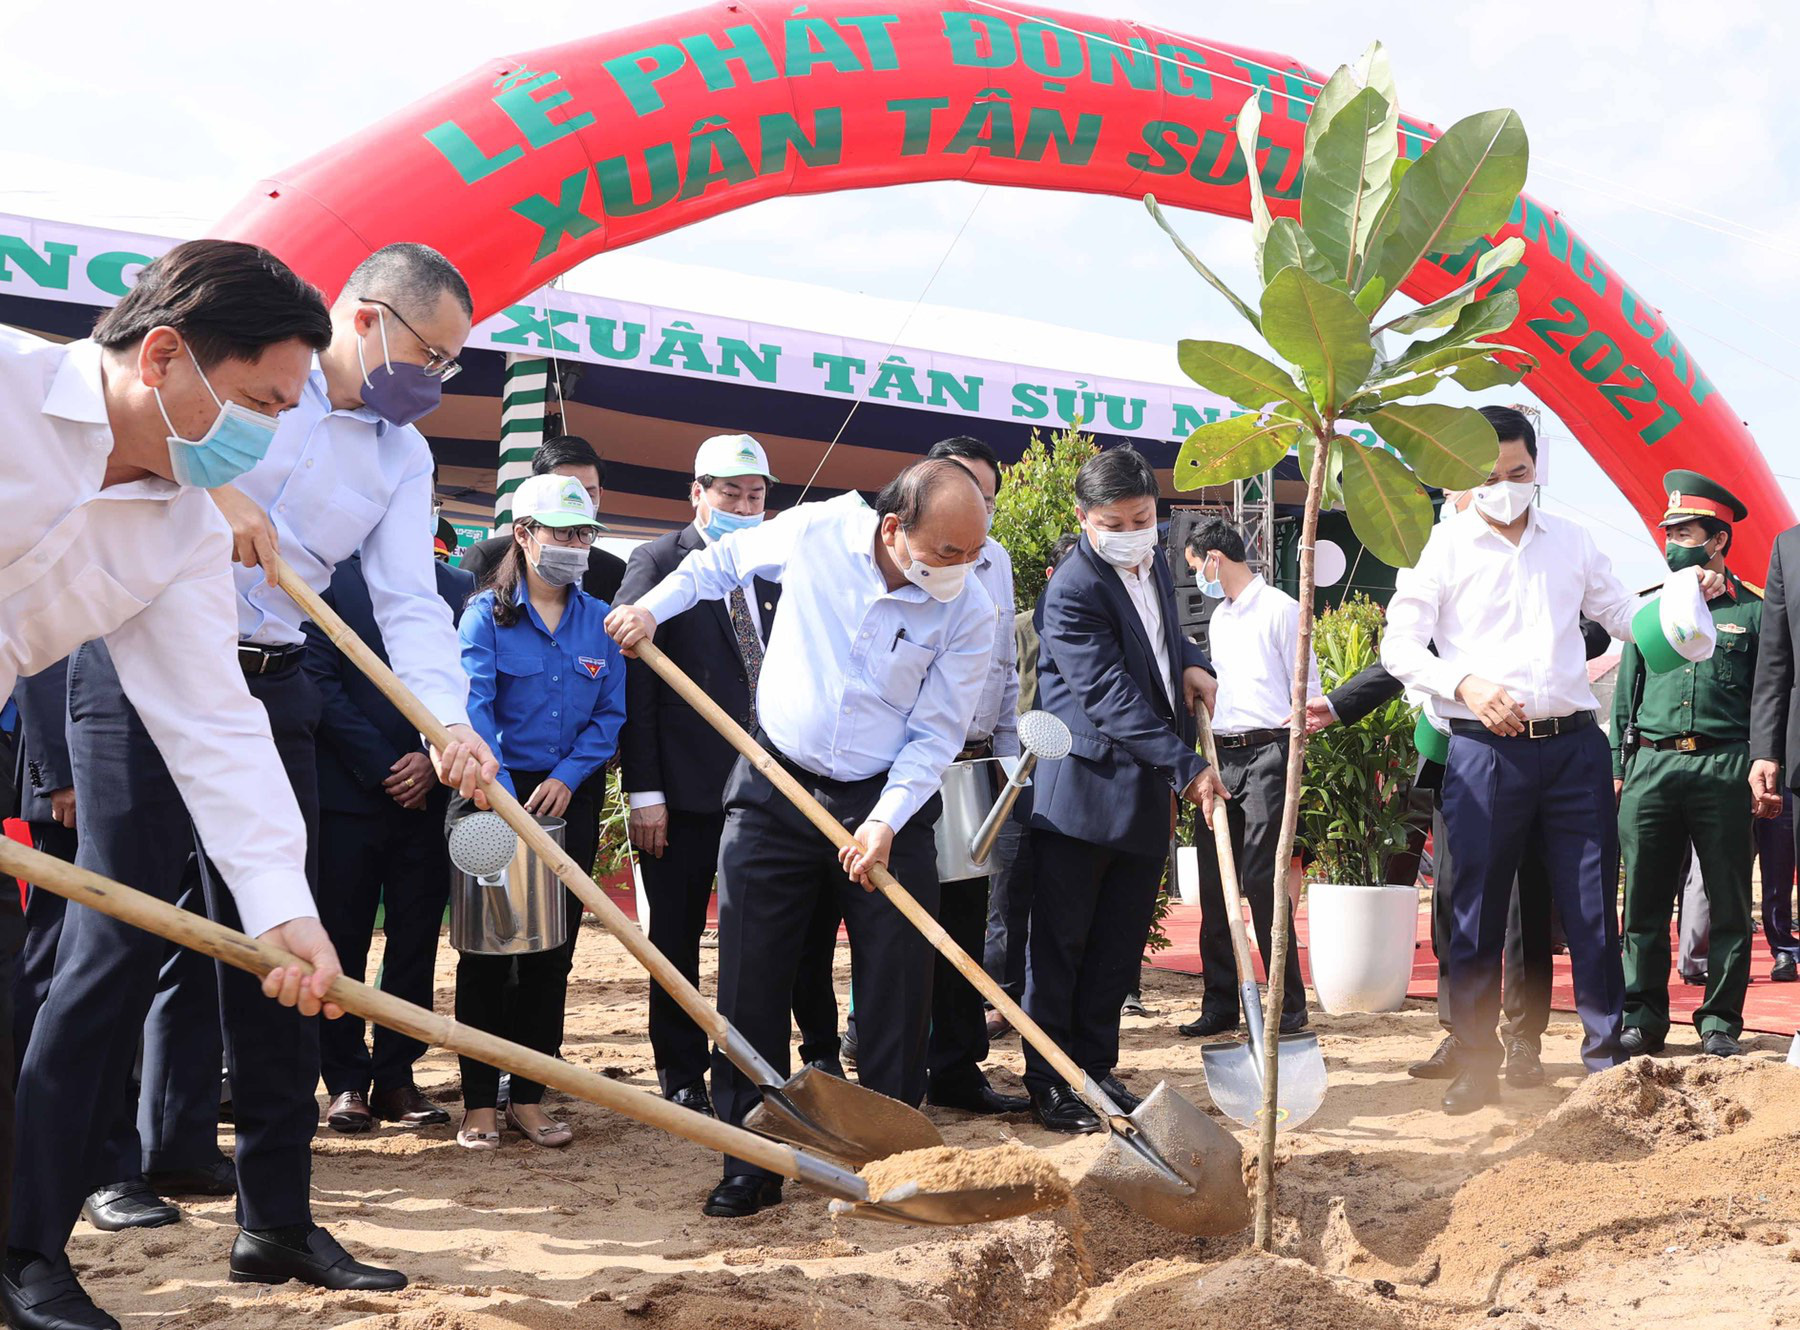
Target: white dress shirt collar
{"x":78,"y":392}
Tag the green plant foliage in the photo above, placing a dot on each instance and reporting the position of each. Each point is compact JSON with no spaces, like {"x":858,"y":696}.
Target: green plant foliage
{"x":1358,"y":777}
{"x":615,"y":839}
{"x":1319,"y":329}
{"x":1250,"y":380}
{"x":1388,"y":510}
{"x":1224,"y":450}
{"x":1288,"y":247}
{"x":1249,"y":125}
{"x":1485,"y":317}
{"x":1347,"y":179}
{"x":1452,"y":447}
{"x":1212,"y":279}
{"x":1036,"y":505}
{"x":1333,"y":494}
{"x":1442,"y":312}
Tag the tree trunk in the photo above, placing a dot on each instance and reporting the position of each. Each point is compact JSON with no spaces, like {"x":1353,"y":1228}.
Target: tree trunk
{"x":1284,"y":848}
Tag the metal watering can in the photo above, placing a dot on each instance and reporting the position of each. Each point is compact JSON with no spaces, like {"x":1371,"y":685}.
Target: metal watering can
{"x":504,"y":899}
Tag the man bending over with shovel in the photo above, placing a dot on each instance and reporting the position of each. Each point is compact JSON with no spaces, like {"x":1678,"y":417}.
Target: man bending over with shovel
{"x":872,"y":673}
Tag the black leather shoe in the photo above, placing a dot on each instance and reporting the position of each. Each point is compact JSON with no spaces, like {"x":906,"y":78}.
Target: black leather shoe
{"x":1635,"y":1042}
{"x":742,"y":1195}
{"x":405,"y":1105}
{"x":260,"y":1258}
{"x":127,"y":1205}
{"x":349,"y":1113}
{"x":1121,"y":1096}
{"x":46,"y":1296}
{"x":975,"y":1095}
{"x":1718,"y":1044}
{"x":1442,"y":1065}
{"x":1292,"y":1022}
{"x":830,"y":1066}
{"x":1133,"y":1005}
{"x":1694,"y":980}
{"x":1210,"y":1024}
{"x":847,"y":1048}
{"x":1784,"y":970}
{"x":1059,"y":1109}
{"x":218,"y":1178}
{"x":692,"y":1097}
{"x":1524,"y":1069}
{"x":1471,"y":1090}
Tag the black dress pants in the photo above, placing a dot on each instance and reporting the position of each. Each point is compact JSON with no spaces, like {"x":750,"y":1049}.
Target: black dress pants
{"x":135,"y":829}
{"x":959,"y":1041}
{"x":774,"y":871}
{"x":1257,"y":781}
{"x":1090,"y":917}
{"x":395,"y":859}
{"x":1009,"y":909}
{"x":531,"y":1009}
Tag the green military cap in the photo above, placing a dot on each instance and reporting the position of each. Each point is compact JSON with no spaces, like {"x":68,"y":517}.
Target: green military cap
{"x":1692,"y":495}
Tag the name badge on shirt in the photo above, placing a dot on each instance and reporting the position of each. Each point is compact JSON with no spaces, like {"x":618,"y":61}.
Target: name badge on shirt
{"x":592,"y":664}
{"x":1733,"y":628}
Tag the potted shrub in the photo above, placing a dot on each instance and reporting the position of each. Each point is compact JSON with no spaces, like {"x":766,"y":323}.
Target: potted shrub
{"x":1353,"y":806}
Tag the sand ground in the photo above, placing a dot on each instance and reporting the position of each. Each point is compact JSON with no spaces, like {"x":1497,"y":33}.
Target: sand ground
{"x":1662,"y":1193}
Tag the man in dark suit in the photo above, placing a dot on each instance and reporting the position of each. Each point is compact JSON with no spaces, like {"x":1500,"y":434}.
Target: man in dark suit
{"x":565,"y":455}
{"x":381,"y":842}
{"x":675,"y":765}
{"x":1774,"y":709}
{"x":1115,"y":668}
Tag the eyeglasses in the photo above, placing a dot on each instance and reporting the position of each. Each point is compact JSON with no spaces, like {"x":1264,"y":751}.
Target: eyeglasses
{"x":441,"y":365}
{"x":566,"y":535}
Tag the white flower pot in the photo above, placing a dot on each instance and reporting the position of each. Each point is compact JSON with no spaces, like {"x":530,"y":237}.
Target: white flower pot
{"x":1361,"y":943}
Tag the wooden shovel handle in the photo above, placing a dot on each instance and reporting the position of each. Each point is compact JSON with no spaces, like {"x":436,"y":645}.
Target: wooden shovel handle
{"x":247,"y":953}
{"x":839,"y":835}
{"x":1228,"y":878}
{"x":571,"y":874}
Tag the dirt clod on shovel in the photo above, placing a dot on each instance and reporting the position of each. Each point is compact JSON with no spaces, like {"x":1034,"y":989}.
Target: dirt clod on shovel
{"x":945,"y":1168}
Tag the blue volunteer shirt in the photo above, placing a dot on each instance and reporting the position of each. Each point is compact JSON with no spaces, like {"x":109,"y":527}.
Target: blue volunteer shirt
{"x":544,"y":701}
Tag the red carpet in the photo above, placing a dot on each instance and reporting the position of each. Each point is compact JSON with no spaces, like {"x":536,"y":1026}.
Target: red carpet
{"x":1768,"y":1008}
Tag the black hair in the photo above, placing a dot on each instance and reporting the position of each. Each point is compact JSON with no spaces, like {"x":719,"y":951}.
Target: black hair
{"x":909,"y":494}
{"x":566,"y":450}
{"x":970,"y":449}
{"x":1713,"y":526}
{"x":1511,"y":423}
{"x":1119,"y":472}
{"x":1060,"y":551}
{"x":410,"y":277}
{"x":228,"y":300}
{"x":1215,"y":533}
{"x":508,"y":579}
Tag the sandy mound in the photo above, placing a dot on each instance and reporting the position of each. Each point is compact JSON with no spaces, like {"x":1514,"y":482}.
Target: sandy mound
{"x":1249,"y":1292}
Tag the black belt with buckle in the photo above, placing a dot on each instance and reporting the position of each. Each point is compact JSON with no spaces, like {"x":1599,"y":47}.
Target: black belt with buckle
{"x":1251,"y":739}
{"x":976,"y":751}
{"x":1546,"y":728}
{"x":1687,"y":743}
{"x":257,"y":660}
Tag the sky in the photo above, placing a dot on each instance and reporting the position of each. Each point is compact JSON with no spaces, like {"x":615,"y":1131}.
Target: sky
{"x":1658,"y":127}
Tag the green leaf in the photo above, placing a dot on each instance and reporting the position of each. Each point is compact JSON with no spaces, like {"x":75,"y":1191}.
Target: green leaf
{"x":1494,"y":314}
{"x":1234,"y":449}
{"x":1477,"y":375}
{"x":1241,"y":376}
{"x":1333,"y":97}
{"x":1249,"y":122}
{"x":1332,"y":496}
{"x":1442,"y":312}
{"x":1388,"y":511}
{"x":1463,"y":188}
{"x":1199,"y":267}
{"x":1346,"y":179}
{"x":1451,"y":447}
{"x":1319,"y":329}
{"x":1369,"y":299}
{"x":1288,"y":247}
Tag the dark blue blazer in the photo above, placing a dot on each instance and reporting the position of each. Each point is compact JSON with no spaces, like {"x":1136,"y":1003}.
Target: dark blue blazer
{"x":361,"y":733}
{"x":43,"y":739}
{"x":1097,"y":672}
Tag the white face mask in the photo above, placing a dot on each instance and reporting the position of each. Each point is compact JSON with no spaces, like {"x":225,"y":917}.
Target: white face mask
{"x":1504,"y":502}
{"x":1124,"y":549}
{"x":940,"y":582}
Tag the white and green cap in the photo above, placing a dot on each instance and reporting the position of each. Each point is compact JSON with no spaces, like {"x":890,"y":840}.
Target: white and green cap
{"x":727,"y":455}
{"x":553,"y":500}
{"x":1431,"y":742}
{"x":1676,"y":627}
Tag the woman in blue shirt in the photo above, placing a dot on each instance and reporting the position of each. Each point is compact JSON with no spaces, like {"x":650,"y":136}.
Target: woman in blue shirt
{"x":547,"y":692}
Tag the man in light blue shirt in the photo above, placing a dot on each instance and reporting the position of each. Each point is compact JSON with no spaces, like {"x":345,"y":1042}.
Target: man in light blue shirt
{"x":873,"y":671}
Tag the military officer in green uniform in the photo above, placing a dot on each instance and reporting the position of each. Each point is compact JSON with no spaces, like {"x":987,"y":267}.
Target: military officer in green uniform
{"x":1680,"y":761}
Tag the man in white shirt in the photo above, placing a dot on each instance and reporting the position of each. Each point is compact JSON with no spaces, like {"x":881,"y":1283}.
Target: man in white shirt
{"x":873,"y":670}
{"x":1502,"y":588}
{"x":1252,"y":637}
{"x":108,"y":536}
{"x":959,"y":1039}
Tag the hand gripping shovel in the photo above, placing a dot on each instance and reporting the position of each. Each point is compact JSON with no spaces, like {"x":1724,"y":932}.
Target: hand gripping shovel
{"x":813,"y":1109}
{"x":1168,"y":1160}
{"x":1234,"y":1071}
{"x":907,"y":1202}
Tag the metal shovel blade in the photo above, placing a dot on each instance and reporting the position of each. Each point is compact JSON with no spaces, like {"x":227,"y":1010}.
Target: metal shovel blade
{"x":1234,"y":1078}
{"x":833,"y":1117}
{"x":910,"y":1204}
{"x":1166,"y":1129}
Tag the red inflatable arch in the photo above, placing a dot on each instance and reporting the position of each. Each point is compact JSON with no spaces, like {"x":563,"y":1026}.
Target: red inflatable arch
{"x":537,"y":161}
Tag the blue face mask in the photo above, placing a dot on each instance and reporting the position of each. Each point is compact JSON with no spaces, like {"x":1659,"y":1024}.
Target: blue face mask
{"x":238,"y":440}
{"x":720,"y":524}
{"x":1214,"y":589}
{"x":399,"y":394}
